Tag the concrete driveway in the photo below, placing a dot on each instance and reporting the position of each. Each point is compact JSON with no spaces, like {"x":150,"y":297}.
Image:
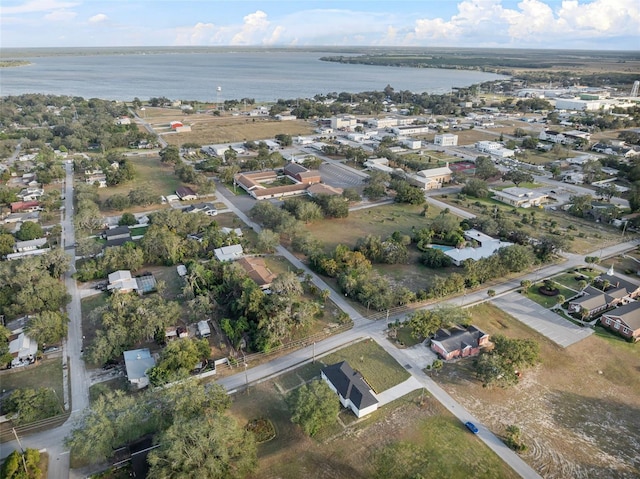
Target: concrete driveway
{"x":559,"y":330}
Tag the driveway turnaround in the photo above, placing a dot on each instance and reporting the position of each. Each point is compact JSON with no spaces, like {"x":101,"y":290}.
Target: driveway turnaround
{"x":561,"y":331}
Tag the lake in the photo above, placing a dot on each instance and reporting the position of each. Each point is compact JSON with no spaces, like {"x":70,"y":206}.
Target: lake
{"x":266,"y":75}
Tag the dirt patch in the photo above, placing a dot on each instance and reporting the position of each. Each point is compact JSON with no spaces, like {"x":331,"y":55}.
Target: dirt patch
{"x":579,"y":410}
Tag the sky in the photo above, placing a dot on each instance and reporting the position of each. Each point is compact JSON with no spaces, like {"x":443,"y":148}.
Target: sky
{"x":566,"y":24}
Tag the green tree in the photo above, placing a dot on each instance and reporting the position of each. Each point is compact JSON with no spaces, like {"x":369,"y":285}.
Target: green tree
{"x":476,"y":188}
{"x":313,"y":406}
{"x":580,"y":204}
{"x":284,"y":139}
{"x":525,"y":284}
{"x":47,"y":327}
{"x":485,"y":168}
{"x":178,"y":359}
{"x":170,"y":154}
{"x":30,"y":405}
{"x":268,"y":241}
{"x":212,"y":446}
{"x":6,"y":243}
{"x":29,"y":231}
{"x":16,"y":462}
{"x":517,"y":177}
{"x":127,"y":219}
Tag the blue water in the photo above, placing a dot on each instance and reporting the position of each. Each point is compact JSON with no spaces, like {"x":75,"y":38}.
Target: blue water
{"x":264,"y":76}
{"x":441,"y":247}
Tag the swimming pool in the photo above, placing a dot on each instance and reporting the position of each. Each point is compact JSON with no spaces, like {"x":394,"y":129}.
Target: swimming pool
{"x":441,"y":247}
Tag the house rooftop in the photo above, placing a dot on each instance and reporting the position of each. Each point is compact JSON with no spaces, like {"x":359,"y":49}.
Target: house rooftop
{"x":136,"y":362}
{"x":458,"y":338}
{"x":629,"y":313}
{"x":350,"y":384}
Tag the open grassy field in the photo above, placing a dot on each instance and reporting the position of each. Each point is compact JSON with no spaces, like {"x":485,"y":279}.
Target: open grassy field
{"x":354,"y":449}
{"x":150,"y":172}
{"x":549,"y":301}
{"x":381,"y":221}
{"x":376,"y":365}
{"x":208,"y":129}
{"x":579,"y":410}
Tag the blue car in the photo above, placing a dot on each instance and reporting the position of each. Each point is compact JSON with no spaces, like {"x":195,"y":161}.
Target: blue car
{"x":471,"y":427}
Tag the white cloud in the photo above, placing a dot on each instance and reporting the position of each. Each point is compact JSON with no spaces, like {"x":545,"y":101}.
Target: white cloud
{"x":531,"y":22}
{"x":60,"y":16}
{"x":100,"y":17}
{"x":35,"y":6}
{"x":252,"y":31}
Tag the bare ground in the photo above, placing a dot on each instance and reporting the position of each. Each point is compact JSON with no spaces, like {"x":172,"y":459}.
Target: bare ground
{"x":579,"y":411}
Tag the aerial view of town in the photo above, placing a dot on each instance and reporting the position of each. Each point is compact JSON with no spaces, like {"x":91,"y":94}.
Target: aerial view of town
{"x":278,"y":250}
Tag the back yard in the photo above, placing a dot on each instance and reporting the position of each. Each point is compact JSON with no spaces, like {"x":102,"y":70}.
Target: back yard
{"x":579,"y":410}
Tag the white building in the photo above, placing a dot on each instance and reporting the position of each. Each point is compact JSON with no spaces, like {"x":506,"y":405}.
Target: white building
{"x":520,"y":197}
{"x":352,"y":390}
{"x":228,"y":253}
{"x":487,"y":247}
{"x":346,"y":122}
{"x":494,"y":149}
{"x":23,"y":350}
{"x":410,"y":130}
{"x":446,"y":139}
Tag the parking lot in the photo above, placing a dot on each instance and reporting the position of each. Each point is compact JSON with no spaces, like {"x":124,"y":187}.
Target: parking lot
{"x":340,"y":177}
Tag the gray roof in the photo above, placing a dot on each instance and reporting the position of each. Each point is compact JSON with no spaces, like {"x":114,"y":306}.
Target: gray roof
{"x":137,"y":361}
{"x":629,"y":314}
{"x":457,"y":338}
{"x":350,"y":384}
{"x":120,"y":230}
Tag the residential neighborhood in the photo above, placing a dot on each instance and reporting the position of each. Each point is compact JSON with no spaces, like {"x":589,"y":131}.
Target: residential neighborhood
{"x":386,"y":274}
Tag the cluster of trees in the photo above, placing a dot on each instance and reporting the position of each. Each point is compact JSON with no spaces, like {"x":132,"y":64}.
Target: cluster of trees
{"x":358,"y":280}
{"x":407,"y":193}
{"x":187,"y":173}
{"x":32,"y":287}
{"x":393,"y":250}
{"x":262,"y":320}
{"x":503,"y":365}
{"x":425,"y":322}
{"x":376,"y":185}
{"x":126,"y":320}
{"x":196,"y":435}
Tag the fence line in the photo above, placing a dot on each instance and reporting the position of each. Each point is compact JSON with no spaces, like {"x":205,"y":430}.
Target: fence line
{"x":37,"y":426}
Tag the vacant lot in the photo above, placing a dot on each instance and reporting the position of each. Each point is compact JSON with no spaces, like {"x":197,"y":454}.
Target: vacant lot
{"x":208,"y":129}
{"x":380,"y":221}
{"x":150,"y":172}
{"x":352,"y":448}
{"x":579,"y":410}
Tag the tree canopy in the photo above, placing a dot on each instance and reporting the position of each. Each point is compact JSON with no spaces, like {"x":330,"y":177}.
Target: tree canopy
{"x":313,"y":406}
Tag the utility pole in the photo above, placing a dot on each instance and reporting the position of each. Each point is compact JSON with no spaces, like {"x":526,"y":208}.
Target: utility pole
{"x":24,"y":462}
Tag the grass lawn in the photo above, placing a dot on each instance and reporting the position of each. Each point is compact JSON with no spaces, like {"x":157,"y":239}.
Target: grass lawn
{"x":548,"y":301}
{"x":48,"y":374}
{"x":381,"y":220}
{"x":404,"y":338}
{"x":379,"y":369}
{"x":89,"y":304}
{"x":149,"y":171}
{"x":573,"y":409}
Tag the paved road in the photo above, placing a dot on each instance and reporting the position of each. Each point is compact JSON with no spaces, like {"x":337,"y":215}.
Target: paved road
{"x":546,"y":322}
{"x":455,"y":210}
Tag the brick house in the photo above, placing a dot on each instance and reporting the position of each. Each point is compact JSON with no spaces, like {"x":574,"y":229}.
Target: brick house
{"x":458,"y":342}
{"x":624,"y":320}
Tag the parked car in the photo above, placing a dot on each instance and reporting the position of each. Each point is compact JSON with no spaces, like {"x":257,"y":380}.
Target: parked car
{"x":471,"y":427}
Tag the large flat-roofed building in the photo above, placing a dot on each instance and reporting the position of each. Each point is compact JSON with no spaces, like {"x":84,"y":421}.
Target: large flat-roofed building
{"x":520,"y":197}
{"x":446,"y":139}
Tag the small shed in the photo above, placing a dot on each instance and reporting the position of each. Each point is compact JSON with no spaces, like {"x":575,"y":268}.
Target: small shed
{"x":204,"y":331}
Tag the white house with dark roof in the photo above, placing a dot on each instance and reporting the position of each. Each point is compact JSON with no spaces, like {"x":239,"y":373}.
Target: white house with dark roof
{"x":353,"y":391}
{"x":137,"y":362}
